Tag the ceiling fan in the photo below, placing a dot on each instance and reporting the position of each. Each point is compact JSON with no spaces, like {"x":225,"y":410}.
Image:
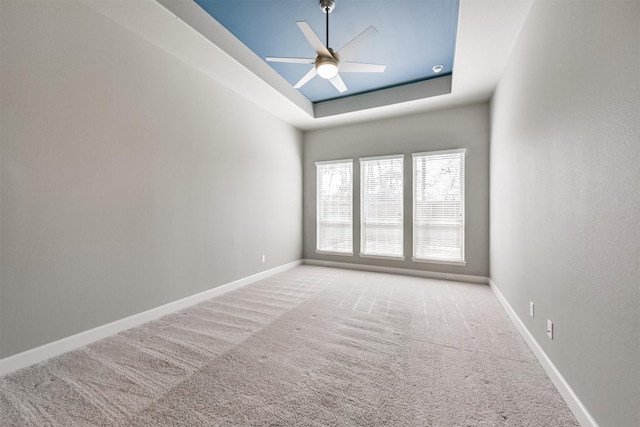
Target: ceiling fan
{"x":328,"y":64}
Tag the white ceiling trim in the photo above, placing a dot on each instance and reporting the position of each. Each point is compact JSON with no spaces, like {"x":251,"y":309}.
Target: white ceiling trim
{"x":487,"y":31}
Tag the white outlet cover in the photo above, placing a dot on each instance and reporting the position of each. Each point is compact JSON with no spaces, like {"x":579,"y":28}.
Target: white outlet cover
{"x":550,"y":328}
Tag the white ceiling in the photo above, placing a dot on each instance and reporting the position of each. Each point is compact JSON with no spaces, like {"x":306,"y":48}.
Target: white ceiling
{"x":487,"y":31}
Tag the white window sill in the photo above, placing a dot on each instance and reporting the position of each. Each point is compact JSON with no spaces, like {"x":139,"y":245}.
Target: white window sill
{"x":433,"y":261}
{"x":318,"y":251}
{"x":396,"y":258}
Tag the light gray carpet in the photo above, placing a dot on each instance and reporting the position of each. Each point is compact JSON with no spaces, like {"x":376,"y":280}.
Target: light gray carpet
{"x":312,"y":346}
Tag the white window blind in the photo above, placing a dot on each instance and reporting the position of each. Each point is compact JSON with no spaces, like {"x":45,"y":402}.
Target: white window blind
{"x":438,"y":206}
{"x":381,"y":207}
{"x":335,"y":206}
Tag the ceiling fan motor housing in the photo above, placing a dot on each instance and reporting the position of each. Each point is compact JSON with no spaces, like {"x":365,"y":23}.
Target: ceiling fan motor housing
{"x":327,"y":5}
{"x":327,"y":67}
{"x":326,"y":60}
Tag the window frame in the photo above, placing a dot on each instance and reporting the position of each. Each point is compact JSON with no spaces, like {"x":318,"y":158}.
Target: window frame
{"x":362,"y":254}
{"x":318,"y":208}
{"x":414,"y":258}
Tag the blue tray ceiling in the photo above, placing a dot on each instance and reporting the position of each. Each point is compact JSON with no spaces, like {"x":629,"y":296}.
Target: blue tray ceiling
{"x":414,"y":36}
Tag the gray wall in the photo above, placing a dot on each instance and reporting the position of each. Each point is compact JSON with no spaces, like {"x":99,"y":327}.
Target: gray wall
{"x":565,"y":195}
{"x":129,"y":180}
{"x":464,"y":127}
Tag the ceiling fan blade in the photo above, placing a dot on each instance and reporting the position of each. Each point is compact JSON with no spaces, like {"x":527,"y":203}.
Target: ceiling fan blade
{"x":357,"y":67}
{"x":356,"y":43}
{"x":313,"y":39}
{"x":291,"y":60}
{"x":338,"y":83}
{"x":311,"y":74}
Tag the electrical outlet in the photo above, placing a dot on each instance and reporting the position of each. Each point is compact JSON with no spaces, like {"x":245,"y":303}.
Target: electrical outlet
{"x":531,"y":308}
{"x":263,"y":258}
{"x":550,"y":328}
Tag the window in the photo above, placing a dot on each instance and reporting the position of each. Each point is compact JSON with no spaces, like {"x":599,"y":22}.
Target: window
{"x":438,"y":206}
{"x":334,"y":207}
{"x":381,"y":207}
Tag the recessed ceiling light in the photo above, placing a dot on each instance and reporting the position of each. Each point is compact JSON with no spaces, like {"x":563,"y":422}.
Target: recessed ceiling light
{"x":437,"y":68}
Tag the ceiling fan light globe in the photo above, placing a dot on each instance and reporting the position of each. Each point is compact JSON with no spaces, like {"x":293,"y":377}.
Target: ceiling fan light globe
{"x":327,"y":70}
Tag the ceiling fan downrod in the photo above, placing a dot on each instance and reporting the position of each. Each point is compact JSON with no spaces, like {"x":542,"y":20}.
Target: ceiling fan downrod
{"x":327,"y":7}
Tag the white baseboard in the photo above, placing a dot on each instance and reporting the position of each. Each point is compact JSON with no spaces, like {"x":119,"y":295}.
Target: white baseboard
{"x":573,"y":402}
{"x":403,"y":271}
{"x":73,"y":342}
